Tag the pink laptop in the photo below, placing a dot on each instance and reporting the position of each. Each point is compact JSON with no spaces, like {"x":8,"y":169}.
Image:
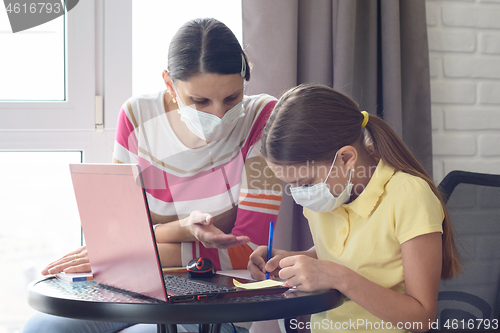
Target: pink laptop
{"x":120,"y":240}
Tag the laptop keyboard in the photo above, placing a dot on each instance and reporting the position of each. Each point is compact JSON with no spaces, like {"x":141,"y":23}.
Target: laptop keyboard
{"x":181,"y":285}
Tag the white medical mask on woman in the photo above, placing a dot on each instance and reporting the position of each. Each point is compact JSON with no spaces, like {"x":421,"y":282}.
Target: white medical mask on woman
{"x":318,"y":197}
{"x":207,"y":126}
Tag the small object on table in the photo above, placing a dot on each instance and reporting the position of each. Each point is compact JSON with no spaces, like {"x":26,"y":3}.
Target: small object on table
{"x":201,"y":268}
{"x":75,"y":277}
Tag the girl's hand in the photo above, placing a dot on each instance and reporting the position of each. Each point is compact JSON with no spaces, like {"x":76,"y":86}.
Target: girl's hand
{"x":310,"y":274}
{"x":258,"y":264}
{"x":74,"y":262}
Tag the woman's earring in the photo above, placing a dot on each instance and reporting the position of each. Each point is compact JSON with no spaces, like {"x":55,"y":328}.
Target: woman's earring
{"x":173,"y":97}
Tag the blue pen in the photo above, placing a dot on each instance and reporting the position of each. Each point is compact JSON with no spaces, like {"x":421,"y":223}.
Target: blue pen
{"x":270,"y":245}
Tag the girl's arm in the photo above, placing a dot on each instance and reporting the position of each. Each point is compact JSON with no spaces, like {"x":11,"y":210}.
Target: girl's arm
{"x":422,"y":271}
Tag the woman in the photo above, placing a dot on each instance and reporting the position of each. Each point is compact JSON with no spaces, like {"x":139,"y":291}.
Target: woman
{"x":381,"y":233}
{"x":197,"y":143}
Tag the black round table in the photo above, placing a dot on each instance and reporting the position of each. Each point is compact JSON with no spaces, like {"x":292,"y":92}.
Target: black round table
{"x":91,"y":301}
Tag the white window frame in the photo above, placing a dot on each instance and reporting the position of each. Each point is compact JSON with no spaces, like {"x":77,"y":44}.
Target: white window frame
{"x":99,"y":63}
{"x":80,"y":57}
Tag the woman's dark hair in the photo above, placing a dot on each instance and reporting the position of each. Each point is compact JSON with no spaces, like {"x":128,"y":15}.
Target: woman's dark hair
{"x":312,"y":122}
{"x":205,"y":46}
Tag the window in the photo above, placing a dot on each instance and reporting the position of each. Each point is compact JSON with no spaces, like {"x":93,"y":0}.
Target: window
{"x":47,"y":89}
{"x":40,"y":222}
{"x":152,"y":31}
{"x":35,"y":71}
{"x":49,"y":81}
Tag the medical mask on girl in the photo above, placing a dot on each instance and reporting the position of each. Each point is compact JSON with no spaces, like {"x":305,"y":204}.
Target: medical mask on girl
{"x":207,"y":126}
{"x":318,"y":197}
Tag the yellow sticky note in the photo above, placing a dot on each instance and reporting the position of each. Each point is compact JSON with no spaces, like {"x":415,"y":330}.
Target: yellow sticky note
{"x":257,"y":285}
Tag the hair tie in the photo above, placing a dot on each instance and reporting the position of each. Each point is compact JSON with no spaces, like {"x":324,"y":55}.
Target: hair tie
{"x":366,"y":117}
{"x":243,"y":72}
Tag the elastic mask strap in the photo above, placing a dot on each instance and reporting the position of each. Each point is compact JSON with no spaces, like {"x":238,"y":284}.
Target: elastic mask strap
{"x":178,"y":97}
{"x":331,"y":168}
{"x":350,"y":176}
{"x":243,"y":72}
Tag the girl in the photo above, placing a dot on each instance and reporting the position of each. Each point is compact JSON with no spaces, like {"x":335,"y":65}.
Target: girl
{"x":381,"y":233}
{"x":197,"y":142}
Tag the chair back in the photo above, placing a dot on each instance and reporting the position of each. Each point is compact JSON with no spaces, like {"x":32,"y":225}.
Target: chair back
{"x":472,"y":300}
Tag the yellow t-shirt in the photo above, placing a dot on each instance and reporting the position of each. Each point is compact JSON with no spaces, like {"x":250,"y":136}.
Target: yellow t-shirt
{"x":366,"y":236}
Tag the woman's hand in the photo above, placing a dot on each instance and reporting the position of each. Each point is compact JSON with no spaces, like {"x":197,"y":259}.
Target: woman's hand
{"x":310,"y":274}
{"x":197,"y":217}
{"x":74,"y":262}
{"x":212,"y":237}
{"x":259,"y":266}
{"x":200,"y":225}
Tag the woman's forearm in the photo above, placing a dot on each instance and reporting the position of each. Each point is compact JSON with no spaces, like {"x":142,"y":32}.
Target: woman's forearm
{"x":170,"y":254}
{"x":173,"y":232}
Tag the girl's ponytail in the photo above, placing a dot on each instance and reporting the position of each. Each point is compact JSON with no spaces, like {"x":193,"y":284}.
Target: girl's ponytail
{"x":385,"y":144}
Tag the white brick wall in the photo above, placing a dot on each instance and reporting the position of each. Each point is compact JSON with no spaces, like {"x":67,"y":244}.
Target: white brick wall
{"x":464,"y":46}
